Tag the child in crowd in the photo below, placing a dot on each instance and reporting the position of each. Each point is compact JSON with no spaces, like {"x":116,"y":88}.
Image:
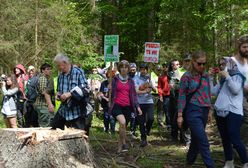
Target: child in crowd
{"x":9,"y":109}
{"x":104,"y":99}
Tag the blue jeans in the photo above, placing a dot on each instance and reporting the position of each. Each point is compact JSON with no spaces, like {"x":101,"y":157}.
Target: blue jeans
{"x":133,"y":123}
{"x":229,"y":128}
{"x":109,"y":120}
{"x":165,"y":103}
{"x":197,"y":119}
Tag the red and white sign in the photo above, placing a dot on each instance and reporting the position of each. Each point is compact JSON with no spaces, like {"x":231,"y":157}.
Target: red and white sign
{"x":151,"y":52}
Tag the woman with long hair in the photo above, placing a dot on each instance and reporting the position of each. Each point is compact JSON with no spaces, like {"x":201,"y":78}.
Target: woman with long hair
{"x":9,"y":109}
{"x":229,"y":109}
{"x":123,"y":101}
{"x":195,"y":101}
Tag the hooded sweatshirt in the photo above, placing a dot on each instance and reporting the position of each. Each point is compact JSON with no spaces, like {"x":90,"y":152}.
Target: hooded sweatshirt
{"x":229,"y":91}
{"x":21,"y":79}
{"x":9,"y":105}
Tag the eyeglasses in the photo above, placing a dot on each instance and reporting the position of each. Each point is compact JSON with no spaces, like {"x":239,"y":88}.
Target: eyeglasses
{"x":201,"y":63}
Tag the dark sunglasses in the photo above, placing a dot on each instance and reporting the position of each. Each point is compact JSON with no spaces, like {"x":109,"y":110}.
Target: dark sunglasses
{"x":201,"y":63}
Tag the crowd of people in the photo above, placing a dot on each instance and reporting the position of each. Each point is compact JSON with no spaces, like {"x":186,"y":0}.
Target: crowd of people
{"x":183,"y":97}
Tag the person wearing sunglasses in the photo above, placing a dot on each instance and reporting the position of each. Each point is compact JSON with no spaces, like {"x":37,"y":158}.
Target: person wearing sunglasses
{"x":194,"y":103}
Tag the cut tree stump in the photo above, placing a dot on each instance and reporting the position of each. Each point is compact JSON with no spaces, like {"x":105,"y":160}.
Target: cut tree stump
{"x":44,"y":148}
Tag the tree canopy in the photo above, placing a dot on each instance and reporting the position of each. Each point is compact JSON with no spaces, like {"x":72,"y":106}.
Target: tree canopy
{"x":32,"y":32}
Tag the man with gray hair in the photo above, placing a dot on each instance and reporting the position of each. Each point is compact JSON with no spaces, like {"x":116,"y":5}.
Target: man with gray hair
{"x":72,"y":92}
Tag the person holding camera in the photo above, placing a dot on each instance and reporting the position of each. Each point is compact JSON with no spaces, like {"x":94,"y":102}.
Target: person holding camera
{"x":9,"y":108}
{"x":229,"y":109}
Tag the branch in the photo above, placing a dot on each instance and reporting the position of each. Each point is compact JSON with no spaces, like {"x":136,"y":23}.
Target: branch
{"x":104,"y":140}
{"x":32,"y":58}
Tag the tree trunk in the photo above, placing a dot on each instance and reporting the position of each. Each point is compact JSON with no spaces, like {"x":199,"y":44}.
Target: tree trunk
{"x":215,"y":33}
{"x":44,"y":148}
{"x":114,"y":19}
{"x":36,"y":32}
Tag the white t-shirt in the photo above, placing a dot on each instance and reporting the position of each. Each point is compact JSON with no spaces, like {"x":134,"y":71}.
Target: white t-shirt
{"x":243,"y":68}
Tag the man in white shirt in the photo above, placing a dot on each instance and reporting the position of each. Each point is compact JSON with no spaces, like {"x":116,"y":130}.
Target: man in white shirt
{"x":241,"y":59}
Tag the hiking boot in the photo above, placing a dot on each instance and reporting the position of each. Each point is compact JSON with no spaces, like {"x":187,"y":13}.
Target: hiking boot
{"x":143,"y":143}
{"x":229,"y":164}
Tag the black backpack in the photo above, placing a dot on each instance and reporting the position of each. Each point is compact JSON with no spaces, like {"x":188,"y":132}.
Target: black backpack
{"x":32,"y":88}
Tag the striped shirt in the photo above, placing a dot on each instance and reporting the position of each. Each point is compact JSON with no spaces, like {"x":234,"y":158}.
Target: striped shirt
{"x":188,"y":84}
{"x":66,"y":82}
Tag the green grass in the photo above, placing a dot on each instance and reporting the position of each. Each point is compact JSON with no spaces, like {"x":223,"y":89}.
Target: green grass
{"x":2,"y":125}
{"x":162,"y":151}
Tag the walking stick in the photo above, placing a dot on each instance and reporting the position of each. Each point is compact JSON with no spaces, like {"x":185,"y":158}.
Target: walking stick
{"x":110,"y":83}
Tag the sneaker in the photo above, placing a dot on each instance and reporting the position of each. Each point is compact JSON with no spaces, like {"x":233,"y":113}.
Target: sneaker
{"x":133,"y":135}
{"x":143,"y":143}
{"x":245,"y":165}
{"x":229,"y":164}
{"x":161,"y":125}
{"x":124,"y":148}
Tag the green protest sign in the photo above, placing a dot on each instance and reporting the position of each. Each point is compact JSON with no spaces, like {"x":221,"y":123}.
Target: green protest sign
{"x":111,"y":48}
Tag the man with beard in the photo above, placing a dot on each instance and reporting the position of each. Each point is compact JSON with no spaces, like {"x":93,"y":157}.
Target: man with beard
{"x":241,"y":60}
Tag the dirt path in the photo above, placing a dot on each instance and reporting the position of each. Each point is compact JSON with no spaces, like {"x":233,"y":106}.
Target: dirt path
{"x":161,"y":152}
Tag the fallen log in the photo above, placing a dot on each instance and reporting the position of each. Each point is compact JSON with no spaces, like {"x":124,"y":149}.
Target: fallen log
{"x":44,"y":148}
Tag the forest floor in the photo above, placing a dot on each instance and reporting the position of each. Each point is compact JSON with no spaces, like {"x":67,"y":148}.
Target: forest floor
{"x":162,"y":151}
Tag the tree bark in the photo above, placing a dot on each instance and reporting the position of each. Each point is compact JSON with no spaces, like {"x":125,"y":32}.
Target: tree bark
{"x":44,"y":148}
{"x":215,"y":33}
{"x":36,"y":32}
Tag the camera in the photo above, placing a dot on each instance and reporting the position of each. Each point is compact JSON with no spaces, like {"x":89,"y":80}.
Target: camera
{"x":3,"y":78}
{"x":216,"y":70}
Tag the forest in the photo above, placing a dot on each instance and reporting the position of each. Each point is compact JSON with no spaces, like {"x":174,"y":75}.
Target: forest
{"x":34,"y":31}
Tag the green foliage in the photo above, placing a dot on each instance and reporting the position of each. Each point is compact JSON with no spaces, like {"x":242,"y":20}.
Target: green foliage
{"x":180,"y":25}
{"x":2,"y":125}
{"x":62,"y":26}
{"x":77,"y":28}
